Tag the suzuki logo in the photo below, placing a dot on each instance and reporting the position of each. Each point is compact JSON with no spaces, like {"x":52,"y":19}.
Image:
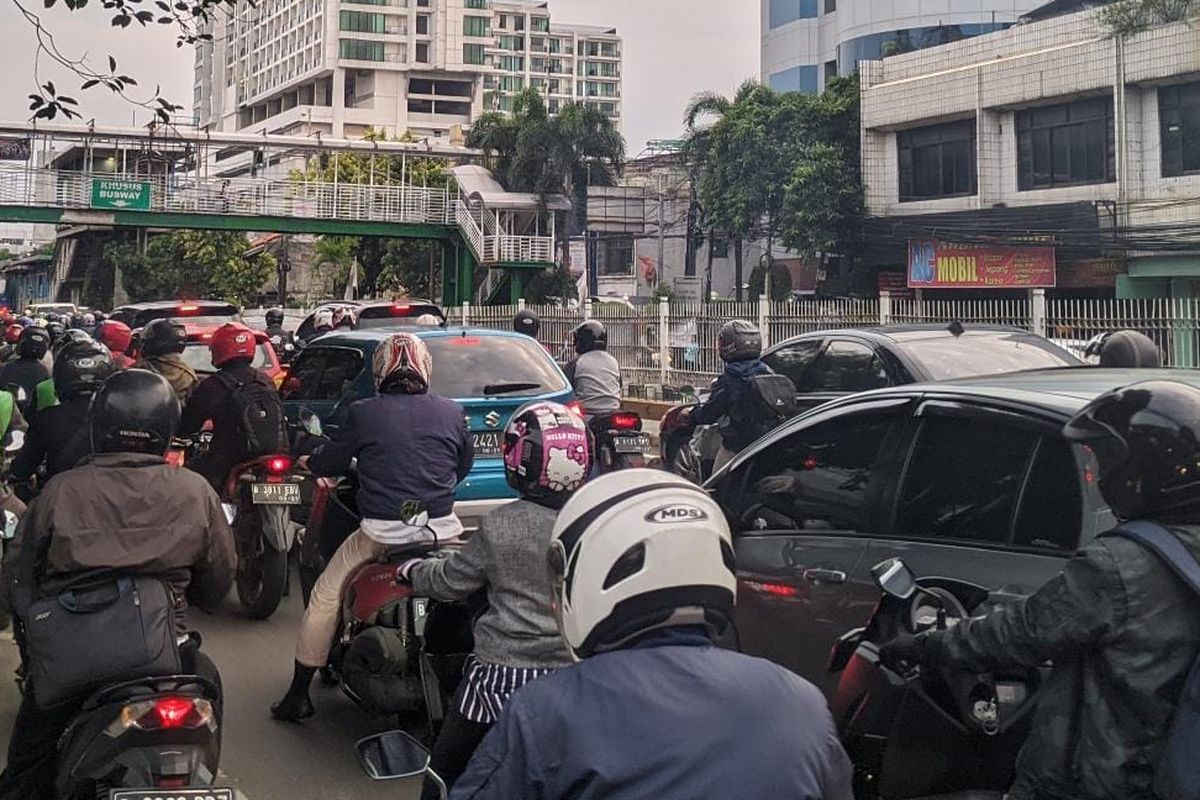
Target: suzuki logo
{"x":676,"y":513}
{"x":492,"y":420}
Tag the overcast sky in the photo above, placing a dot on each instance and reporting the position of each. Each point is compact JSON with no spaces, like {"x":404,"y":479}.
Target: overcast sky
{"x":673,"y":49}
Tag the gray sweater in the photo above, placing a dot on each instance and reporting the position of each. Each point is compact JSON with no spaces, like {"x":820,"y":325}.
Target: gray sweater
{"x":508,"y":556}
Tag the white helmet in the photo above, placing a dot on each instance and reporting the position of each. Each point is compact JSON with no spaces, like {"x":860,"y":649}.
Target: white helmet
{"x":638,"y":550}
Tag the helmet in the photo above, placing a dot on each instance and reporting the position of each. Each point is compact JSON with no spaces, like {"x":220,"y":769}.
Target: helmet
{"x":232,"y":341}
{"x":116,"y":336}
{"x":428,"y":319}
{"x":1129,"y":349}
{"x":12,"y":333}
{"x":99,"y":316}
{"x":24,"y":322}
{"x":547,"y":453}
{"x":33,"y":343}
{"x":1144,"y":438}
{"x":89,"y":320}
{"x":135,"y":411}
{"x":81,"y":369}
{"x":69,"y":336}
{"x":50,"y":316}
{"x":635,"y":551}
{"x":163,"y":336}
{"x":343,"y":318}
{"x":55,"y":329}
{"x":527,"y":322}
{"x":400,"y":356}
{"x":77,"y":321}
{"x":323,"y":318}
{"x":739,"y":340}
{"x":274,"y":317}
{"x":8,"y":318}
{"x":590,"y":335}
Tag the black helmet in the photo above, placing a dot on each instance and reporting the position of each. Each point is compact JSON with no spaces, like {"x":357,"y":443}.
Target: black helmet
{"x":527,"y":322}
{"x":34,"y":342}
{"x":70,"y":336}
{"x":1129,"y":349}
{"x":77,"y":320}
{"x":163,"y":336}
{"x":589,"y":336}
{"x":81,"y":368}
{"x":55,"y":329}
{"x":274,"y":317}
{"x":739,"y":340}
{"x":1144,"y":437}
{"x":136,"y":411}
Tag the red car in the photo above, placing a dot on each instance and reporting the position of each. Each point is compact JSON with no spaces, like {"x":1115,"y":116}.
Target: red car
{"x":198,"y":358}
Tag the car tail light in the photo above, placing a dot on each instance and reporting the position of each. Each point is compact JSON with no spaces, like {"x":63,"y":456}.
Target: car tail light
{"x":625,"y":421}
{"x":400,"y":309}
{"x":188,"y":309}
{"x":163,"y":714}
{"x":575,"y":408}
{"x":175,"y":457}
{"x":279,"y":465}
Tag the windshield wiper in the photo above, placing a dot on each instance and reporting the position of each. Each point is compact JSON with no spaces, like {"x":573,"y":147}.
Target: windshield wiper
{"x":505,"y":388}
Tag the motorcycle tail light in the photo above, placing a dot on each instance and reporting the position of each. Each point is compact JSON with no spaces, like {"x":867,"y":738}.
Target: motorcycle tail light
{"x":175,"y":458}
{"x":575,"y":407}
{"x":164,"y":713}
{"x":279,"y":465}
{"x":626,"y":421}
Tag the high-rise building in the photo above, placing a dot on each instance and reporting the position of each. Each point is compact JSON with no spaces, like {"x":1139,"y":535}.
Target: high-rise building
{"x":338,"y":67}
{"x":807,"y":42}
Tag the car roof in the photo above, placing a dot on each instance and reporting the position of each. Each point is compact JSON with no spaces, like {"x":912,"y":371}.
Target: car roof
{"x":374,"y":336}
{"x":908,"y":333}
{"x":155,"y":305}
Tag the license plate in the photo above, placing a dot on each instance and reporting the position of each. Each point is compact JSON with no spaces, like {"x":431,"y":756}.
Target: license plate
{"x":275,"y":494}
{"x":487,"y":445}
{"x":200,"y":793}
{"x":632,"y":444}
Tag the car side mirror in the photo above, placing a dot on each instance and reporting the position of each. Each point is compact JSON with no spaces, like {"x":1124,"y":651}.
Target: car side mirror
{"x":894,"y":578}
{"x":393,"y":755}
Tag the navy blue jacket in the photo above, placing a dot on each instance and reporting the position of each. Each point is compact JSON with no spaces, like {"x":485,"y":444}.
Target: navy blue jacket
{"x":673,"y":718}
{"x":726,"y":395}
{"x":408,"y":446}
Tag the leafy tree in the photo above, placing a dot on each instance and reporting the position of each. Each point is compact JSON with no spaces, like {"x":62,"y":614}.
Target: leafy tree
{"x":334,"y":257}
{"x":6,"y":254}
{"x":781,"y":281}
{"x":190,"y":264}
{"x":1128,"y":17}
{"x":380,"y":170}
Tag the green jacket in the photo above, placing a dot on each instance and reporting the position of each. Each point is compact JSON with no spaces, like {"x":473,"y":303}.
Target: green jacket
{"x":172,"y":367}
{"x":1122,"y":632}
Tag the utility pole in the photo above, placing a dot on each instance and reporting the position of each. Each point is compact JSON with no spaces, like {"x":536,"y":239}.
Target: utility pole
{"x":285,"y":266}
{"x":662,"y":240}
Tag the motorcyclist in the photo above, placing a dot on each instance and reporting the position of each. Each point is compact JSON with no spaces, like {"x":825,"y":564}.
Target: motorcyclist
{"x":654,"y":708}
{"x":322,"y":323}
{"x":29,"y":368}
{"x":527,"y":322}
{"x":151,"y":519}
{"x":1121,"y":629}
{"x":1128,"y":348}
{"x":117,"y":337}
{"x":739,"y":344}
{"x":594,"y":372}
{"x":281,"y":339}
{"x":12,"y":335}
{"x":58,"y":435}
{"x":343,"y":318}
{"x":546,"y":458}
{"x":233,"y":347}
{"x":44,"y":395}
{"x":162,"y":345}
{"x":413,"y":448}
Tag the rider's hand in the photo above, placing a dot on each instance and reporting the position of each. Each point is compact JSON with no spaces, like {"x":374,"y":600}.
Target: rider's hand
{"x":402,"y":574}
{"x":777,"y":484}
{"x":903,"y":652}
{"x":302,"y":463}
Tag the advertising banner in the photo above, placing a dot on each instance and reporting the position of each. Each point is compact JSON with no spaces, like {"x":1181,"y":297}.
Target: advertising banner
{"x":943,"y":265}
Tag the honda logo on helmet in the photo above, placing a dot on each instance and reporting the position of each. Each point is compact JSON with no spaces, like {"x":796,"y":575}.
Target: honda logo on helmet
{"x":678,"y":512}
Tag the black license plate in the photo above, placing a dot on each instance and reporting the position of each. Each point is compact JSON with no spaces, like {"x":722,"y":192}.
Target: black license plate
{"x":636,"y":443}
{"x":199,"y":793}
{"x":488,"y":444}
{"x":275,"y":494}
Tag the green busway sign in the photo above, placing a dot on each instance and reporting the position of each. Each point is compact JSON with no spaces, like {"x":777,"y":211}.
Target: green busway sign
{"x":124,"y":195}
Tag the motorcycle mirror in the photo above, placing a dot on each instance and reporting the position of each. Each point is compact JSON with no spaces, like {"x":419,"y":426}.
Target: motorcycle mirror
{"x":893,"y":577}
{"x":394,"y":754}
{"x":311,"y":422}
{"x":16,"y":440}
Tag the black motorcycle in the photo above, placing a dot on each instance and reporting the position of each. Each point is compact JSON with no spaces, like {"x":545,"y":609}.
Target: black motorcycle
{"x":926,"y":734}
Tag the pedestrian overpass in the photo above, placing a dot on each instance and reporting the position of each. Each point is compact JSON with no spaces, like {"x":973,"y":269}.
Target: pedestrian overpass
{"x":88,"y":177}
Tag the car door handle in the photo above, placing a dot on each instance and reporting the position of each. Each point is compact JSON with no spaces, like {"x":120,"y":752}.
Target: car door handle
{"x":824,"y":576}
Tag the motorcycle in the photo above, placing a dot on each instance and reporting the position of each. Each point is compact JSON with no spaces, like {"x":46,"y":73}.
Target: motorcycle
{"x":688,"y":449}
{"x":919,"y":734}
{"x":620,"y":443}
{"x":144,"y":739}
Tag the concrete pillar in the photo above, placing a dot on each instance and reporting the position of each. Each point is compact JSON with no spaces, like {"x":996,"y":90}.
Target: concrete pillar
{"x":339,"y":103}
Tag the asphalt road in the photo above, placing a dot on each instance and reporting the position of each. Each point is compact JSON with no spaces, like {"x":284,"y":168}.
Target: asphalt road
{"x":261,"y":758}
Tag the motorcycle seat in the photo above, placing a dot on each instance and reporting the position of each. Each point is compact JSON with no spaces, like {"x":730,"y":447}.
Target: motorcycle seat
{"x":148,"y":687}
{"x":401,"y":553}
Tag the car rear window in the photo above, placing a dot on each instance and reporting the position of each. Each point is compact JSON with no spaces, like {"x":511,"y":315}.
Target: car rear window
{"x":207,"y":314}
{"x":946,"y":357}
{"x":382,"y":316}
{"x":197,"y":356}
{"x":479,"y":366}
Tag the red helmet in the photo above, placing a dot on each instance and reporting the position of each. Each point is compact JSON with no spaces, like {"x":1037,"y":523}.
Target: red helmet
{"x":116,"y":336}
{"x":12,"y":333}
{"x":232,"y":340}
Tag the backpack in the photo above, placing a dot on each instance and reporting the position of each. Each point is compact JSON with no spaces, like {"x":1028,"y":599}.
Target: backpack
{"x":1177,"y":774}
{"x":766,"y":403}
{"x":260,"y":415}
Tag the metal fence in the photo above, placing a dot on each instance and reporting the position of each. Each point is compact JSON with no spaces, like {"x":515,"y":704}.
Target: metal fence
{"x":665,"y":351}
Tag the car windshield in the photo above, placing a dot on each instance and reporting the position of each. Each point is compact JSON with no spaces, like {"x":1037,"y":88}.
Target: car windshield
{"x":946,"y":357}
{"x":197,"y":356}
{"x":466,"y":366}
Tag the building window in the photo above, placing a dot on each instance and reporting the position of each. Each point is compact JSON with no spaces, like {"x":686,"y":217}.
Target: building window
{"x":476,"y":4}
{"x":830,"y":6}
{"x":1179,"y":115}
{"x":539,"y":24}
{"x":938,"y":161}
{"x":511,"y":83}
{"x":784,"y":11}
{"x":796,"y":79}
{"x":511,"y":63}
{"x":614,"y":256}
{"x":476,"y":26}
{"x":422,"y":24}
{"x":474,"y":54}
{"x":514,"y":43}
{"x":356,"y":50}
{"x":720,"y":248}
{"x":1065,"y":145}
{"x":422,"y":52}
{"x":361,"y":21}
{"x":831,"y":71}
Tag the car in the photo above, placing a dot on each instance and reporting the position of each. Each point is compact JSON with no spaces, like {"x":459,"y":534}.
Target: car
{"x":197,"y":356}
{"x":490,"y":373}
{"x":968,"y":479}
{"x":307,"y":330}
{"x":42,"y":309}
{"x":388,"y":313}
{"x":209,"y":313}
{"x":826,"y":365}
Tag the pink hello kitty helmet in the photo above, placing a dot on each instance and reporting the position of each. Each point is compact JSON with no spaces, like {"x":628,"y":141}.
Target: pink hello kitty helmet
{"x":547,"y":451}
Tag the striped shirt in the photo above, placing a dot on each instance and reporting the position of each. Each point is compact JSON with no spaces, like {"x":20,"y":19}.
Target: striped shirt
{"x":487,"y":687}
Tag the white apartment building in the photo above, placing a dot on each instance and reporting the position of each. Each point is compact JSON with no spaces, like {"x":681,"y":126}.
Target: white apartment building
{"x":338,"y":67}
{"x":807,"y":42}
{"x":1054,"y":128}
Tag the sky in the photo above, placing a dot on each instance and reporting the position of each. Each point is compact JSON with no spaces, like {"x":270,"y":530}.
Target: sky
{"x":673,"y":49}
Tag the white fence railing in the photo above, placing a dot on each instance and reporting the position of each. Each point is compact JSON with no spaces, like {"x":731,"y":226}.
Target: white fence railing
{"x":668,"y":350}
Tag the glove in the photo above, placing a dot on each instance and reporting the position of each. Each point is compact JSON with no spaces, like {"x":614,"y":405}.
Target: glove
{"x":777,"y":484}
{"x":903,"y":652}
{"x":402,"y":573}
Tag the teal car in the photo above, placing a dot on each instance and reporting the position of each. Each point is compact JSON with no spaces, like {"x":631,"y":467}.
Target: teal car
{"x":490,"y":373}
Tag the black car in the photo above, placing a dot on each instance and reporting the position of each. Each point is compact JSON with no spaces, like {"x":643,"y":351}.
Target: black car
{"x":968,"y":479}
{"x":201,"y":313}
{"x":827,"y":365}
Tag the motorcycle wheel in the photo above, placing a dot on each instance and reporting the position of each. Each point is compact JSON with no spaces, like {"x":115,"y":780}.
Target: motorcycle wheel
{"x":261,"y":572}
{"x":683,"y":460}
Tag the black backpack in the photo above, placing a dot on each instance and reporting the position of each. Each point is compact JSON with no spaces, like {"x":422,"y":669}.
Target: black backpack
{"x":260,"y":414}
{"x":768,"y":401}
